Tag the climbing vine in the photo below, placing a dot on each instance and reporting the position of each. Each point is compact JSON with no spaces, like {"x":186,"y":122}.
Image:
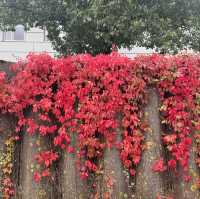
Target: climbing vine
{"x":6,"y":166}
{"x":82,"y":100}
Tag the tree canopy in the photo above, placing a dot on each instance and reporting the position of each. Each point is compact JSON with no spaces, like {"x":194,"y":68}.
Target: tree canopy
{"x":77,"y":26}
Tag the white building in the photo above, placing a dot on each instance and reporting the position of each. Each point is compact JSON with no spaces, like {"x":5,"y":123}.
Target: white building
{"x":16,"y":45}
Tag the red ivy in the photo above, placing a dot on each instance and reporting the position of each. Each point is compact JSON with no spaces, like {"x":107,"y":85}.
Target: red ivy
{"x":83,"y":102}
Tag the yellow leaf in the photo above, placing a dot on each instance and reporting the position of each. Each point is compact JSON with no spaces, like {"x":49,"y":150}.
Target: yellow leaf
{"x":194,"y":187}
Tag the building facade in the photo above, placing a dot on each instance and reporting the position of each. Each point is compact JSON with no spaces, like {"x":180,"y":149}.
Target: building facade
{"x":16,"y":45}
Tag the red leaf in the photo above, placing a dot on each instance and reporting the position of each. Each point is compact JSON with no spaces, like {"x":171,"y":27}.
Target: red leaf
{"x":172,"y":164}
{"x":37,"y":177}
{"x":132,"y":172}
{"x":159,"y":166}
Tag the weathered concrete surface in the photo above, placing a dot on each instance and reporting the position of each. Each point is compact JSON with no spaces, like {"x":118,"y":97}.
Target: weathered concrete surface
{"x":68,"y":176}
{"x":149,"y":183}
{"x":29,"y":189}
{"x":183,"y":189}
{"x":114,"y":179}
{"x":71,"y":184}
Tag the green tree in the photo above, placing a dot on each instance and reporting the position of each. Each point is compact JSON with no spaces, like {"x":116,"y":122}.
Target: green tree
{"x":76,"y":26}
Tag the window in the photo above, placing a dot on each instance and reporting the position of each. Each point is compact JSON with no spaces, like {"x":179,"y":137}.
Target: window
{"x":8,"y":35}
{"x":19,"y":33}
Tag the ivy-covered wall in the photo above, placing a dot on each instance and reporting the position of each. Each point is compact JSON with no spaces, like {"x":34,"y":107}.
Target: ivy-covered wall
{"x":101,"y":127}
